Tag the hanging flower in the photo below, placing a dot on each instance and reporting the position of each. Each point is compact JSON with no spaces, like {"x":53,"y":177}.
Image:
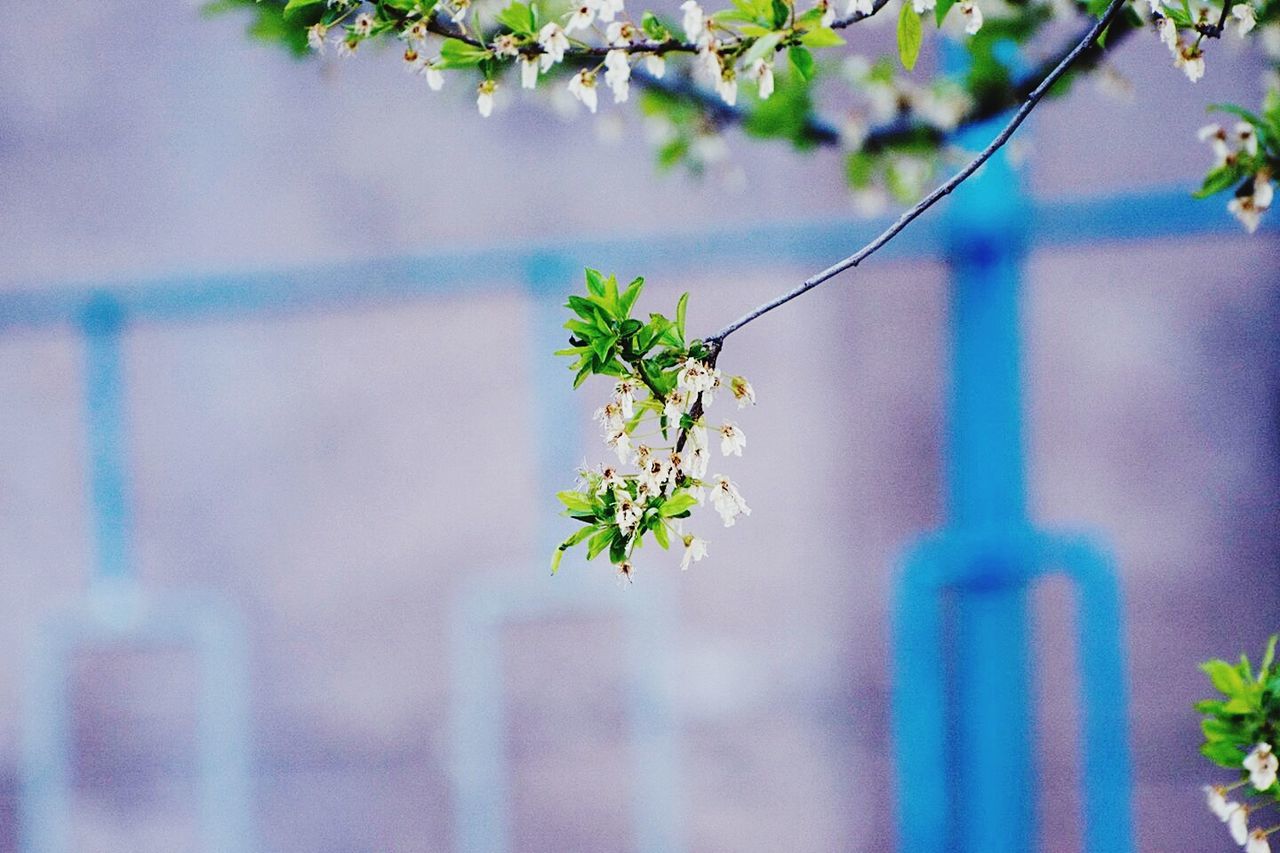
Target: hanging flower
{"x":583,"y":15}
{"x":625,"y":571}
{"x":828,"y":12}
{"x":1262,"y":765}
{"x":1238,"y":824}
{"x":610,"y":416}
{"x":416,"y":33}
{"x":762,"y":73}
{"x":1242,"y":15}
{"x":620,"y":441}
{"x":862,"y":8}
{"x":674,"y":405}
{"x":609,"y":9}
{"x":1217,"y":139}
{"x":922,"y":6}
{"x":528,"y":72}
{"x":695,"y":376}
{"x":1257,"y":842}
{"x":728,"y":501}
{"x":694,"y":21}
{"x":316,"y":34}
{"x":1246,"y":137}
{"x":694,"y":550}
{"x":742,"y":391}
{"x":1248,"y":208}
{"x":656,"y":65}
{"x":610,"y":479}
{"x":484,"y":97}
{"x":554,"y":43}
{"x":624,"y":395}
{"x":696,"y":461}
{"x":732,"y":439}
{"x":583,"y":87}
{"x":1216,"y":798}
{"x":655,"y":473}
{"x":972,"y":17}
{"x":1167,"y":30}
{"x":625,"y":512}
{"x":362,"y":25}
{"x":617,"y":74}
{"x":1191,"y":60}
{"x":727,"y":88}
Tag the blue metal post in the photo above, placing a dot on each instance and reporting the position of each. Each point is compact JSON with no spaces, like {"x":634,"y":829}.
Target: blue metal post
{"x":966,"y":772}
{"x":102,"y":323}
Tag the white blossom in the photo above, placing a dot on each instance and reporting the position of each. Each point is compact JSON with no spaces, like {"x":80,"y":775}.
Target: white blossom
{"x":922,"y":6}
{"x":655,"y":473}
{"x":674,"y":404}
{"x":363,"y":24}
{"x":695,"y":376}
{"x":727,"y":88}
{"x":435,"y":78}
{"x":1249,"y":208}
{"x":625,"y":571}
{"x":728,"y":501}
{"x":1238,"y":824}
{"x":484,"y":97}
{"x":860,"y":7}
{"x":315,"y":37}
{"x":583,"y":15}
{"x":583,"y":87}
{"x":554,"y":43}
{"x":762,"y":73}
{"x":610,"y":479}
{"x":617,"y":74}
{"x":620,"y":441}
{"x":625,"y":512}
{"x":1243,"y":16}
{"x":694,"y":550}
{"x":610,"y":416}
{"x":607,"y":10}
{"x":416,"y":33}
{"x":973,"y":18}
{"x":1191,"y":60}
{"x":828,"y":12}
{"x":694,"y":21}
{"x":1217,"y":139}
{"x":528,"y":72}
{"x":697,"y":436}
{"x":742,"y":391}
{"x":1167,"y":30}
{"x":1262,"y":763}
{"x":732,"y":439}
{"x":1216,"y":798}
{"x":1257,"y":842}
{"x":346,"y":47}
{"x":656,"y":65}
{"x":1246,"y":137}
{"x":695,"y":462}
{"x":624,"y":395}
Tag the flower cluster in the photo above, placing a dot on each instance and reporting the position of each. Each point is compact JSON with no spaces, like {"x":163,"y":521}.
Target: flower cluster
{"x":1239,"y":731}
{"x":656,"y":424}
{"x":1245,"y":157}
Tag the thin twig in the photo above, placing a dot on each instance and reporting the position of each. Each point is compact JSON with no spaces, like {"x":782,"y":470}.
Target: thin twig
{"x":943,"y":190}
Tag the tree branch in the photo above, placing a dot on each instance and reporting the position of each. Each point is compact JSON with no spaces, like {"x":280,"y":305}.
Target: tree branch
{"x":1033,"y":98}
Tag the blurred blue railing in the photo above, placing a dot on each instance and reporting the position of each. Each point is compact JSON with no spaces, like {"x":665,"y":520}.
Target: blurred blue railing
{"x":963,"y":788}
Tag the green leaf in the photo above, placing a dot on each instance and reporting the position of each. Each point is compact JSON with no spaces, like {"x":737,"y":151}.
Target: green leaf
{"x":575,"y":501}
{"x":595,"y":283}
{"x":660,"y":535}
{"x":294,"y":5}
{"x":458,"y":54}
{"x":677,"y":504}
{"x":781,"y":12}
{"x":803,"y":62}
{"x":940,"y":11}
{"x":910,"y":35}
{"x":599,"y":541}
{"x":1268,"y":657}
{"x":681,"y":307}
{"x":1224,"y":676}
{"x":569,"y":543}
{"x":519,"y":17}
{"x":653,"y":27}
{"x":821,"y":37}
{"x":1221,"y":178}
{"x":629,"y":297}
{"x":763,"y":46}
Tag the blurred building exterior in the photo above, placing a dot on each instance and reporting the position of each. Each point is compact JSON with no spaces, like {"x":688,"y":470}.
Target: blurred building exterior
{"x":342,"y":475}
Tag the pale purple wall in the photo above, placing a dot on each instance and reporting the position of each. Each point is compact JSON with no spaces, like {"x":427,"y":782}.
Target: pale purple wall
{"x":332,"y":472}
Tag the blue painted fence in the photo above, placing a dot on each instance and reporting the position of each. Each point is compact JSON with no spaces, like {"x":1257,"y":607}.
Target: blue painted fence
{"x":962,"y":715}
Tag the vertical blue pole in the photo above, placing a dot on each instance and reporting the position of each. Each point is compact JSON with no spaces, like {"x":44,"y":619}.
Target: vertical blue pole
{"x":102,"y":324}
{"x":993,"y":785}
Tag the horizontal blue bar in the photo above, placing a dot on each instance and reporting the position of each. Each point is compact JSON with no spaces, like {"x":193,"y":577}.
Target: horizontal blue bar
{"x":1171,"y":213}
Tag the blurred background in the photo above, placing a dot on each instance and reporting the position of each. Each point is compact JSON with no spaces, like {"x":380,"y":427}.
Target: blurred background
{"x":354,"y":476}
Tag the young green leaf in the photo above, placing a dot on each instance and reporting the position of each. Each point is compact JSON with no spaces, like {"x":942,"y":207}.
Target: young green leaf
{"x":910,"y":35}
{"x":802,"y":60}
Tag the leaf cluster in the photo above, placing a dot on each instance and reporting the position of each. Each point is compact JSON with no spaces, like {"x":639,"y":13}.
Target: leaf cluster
{"x":1246,"y":713}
